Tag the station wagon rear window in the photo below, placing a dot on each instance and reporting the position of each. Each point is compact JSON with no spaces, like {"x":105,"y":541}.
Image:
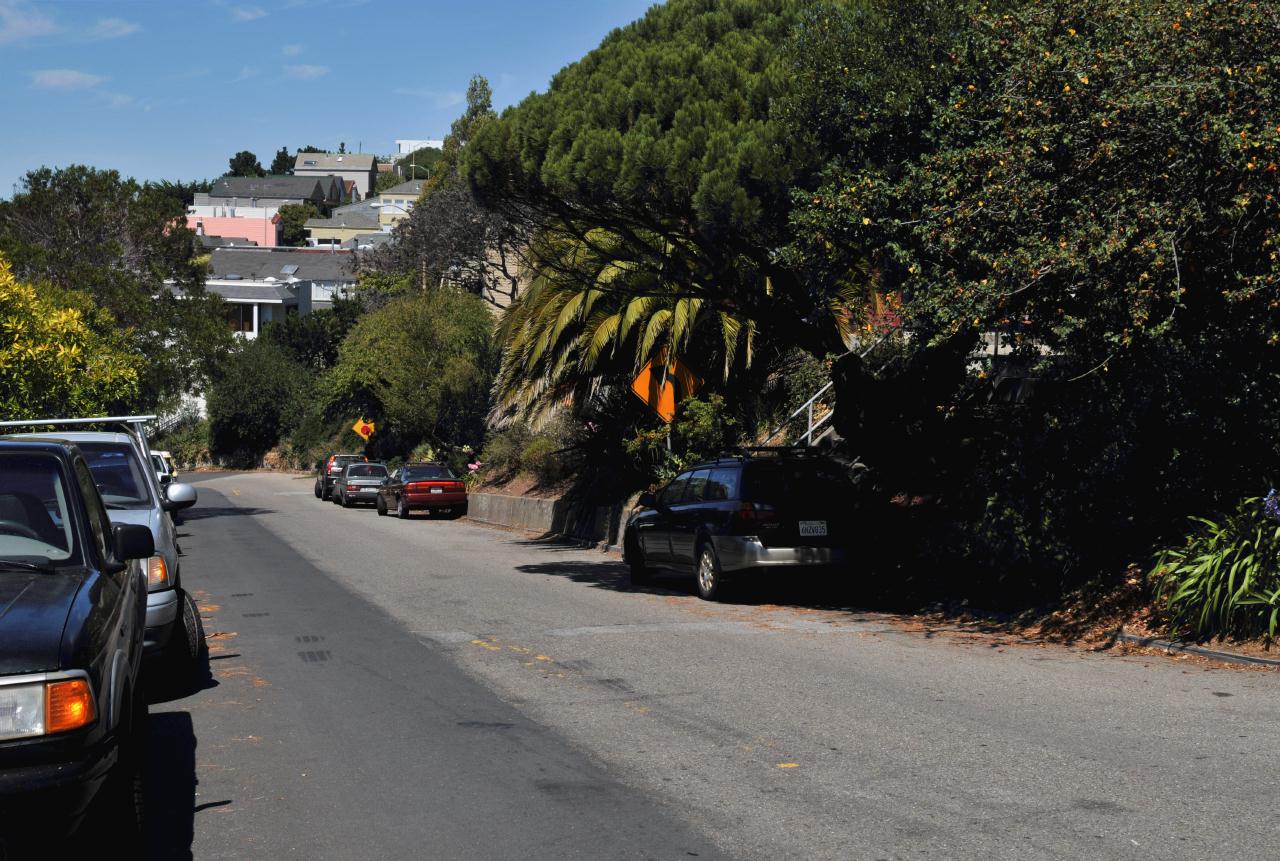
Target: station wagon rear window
{"x":366,"y":470}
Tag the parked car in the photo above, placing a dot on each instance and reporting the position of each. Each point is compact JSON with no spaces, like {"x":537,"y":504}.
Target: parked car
{"x":161,"y":466}
{"x":430,"y":487}
{"x":358,"y":482}
{"x":131,"y":494}
{"x":73,"y":605}
{"x":737,"y":514}
{"x":330,"y":469}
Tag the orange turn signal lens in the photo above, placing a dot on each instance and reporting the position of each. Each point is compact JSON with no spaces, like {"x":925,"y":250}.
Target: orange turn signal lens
{"x":68,"y":705}
{"x":157,"y":573}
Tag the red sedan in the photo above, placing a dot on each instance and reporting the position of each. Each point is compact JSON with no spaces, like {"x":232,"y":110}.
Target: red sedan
{"x":430,"y":487}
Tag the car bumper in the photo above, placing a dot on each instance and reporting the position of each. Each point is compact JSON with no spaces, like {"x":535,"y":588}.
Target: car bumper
{"x":361,"y":494}
{"x":162,"y":615}
{"x":435,"y":500}
{"x":738,"y":553}
{"x":53,"y":793}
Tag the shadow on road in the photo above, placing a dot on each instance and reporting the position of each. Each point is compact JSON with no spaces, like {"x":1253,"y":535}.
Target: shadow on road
{"x":170,"y":788}
{"x":610,"y":575}
{"x":208,"y":511}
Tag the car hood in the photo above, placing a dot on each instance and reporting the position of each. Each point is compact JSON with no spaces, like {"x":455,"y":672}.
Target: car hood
{"x":33,"y":614}
{"x":138,"y":516}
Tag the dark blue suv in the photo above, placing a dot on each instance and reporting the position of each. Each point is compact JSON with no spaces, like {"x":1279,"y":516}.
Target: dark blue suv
{"x":73,"y":603}
{"x":778,"y":510}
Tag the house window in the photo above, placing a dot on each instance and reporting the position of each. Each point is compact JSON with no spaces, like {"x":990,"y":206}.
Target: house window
{"x":240,"y":317}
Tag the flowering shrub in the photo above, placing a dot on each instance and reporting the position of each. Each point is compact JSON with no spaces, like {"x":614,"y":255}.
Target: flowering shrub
{"x":1225,"y":580}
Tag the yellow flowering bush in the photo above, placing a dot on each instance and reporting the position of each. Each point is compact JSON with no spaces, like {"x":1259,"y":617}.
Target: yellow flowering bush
{"x":53,"y":361}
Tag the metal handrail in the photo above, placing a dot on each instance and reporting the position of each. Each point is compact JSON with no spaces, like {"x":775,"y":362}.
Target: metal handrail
{"x":808,"y":405}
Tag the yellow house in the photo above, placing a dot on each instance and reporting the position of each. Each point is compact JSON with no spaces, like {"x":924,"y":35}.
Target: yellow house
{"x":346,"y":223}
{"x":396,"y":202}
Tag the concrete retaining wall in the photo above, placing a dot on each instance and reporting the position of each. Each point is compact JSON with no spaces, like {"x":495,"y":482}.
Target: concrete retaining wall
{"x":599,"y":524}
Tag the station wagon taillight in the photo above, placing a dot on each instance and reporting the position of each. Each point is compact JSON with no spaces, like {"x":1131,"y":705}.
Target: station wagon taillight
{"x":751,"y":515}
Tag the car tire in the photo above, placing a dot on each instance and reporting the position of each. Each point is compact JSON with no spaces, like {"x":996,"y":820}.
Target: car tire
{"x":640,"y":575}
{"x":122,"y":805}
{"x":402,"y":509}
{"x":344,"y":502}
{"x":186,"y":644}
{"x":381,"y":505}
{"x":319,"y":490}
{"x":324,"y":493}
{"x":709,"y":577}
{"x":460,"y":510}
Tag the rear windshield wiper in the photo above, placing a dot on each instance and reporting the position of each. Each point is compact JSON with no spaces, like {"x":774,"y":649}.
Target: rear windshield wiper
{"x":22,"y":565}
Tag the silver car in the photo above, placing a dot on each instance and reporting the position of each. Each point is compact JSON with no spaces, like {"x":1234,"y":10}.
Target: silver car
{"x":358,"y":482}
{"x":131,"y":493}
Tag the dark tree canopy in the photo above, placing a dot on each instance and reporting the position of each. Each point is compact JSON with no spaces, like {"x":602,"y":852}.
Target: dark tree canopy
{"x":293,"y":218}
{"x":245,"y":163}
{"x":282,"y":163}
{"x":663,"y":137}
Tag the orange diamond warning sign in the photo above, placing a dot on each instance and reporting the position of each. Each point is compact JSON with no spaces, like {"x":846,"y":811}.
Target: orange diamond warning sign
{"x":365,"y":428}
{"x":660,"y":390}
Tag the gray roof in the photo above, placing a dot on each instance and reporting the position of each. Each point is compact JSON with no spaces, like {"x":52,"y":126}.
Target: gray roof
{"x":358,"y":215}
{"x":226,"y":242}
{"x":333,"y":161}
{"x":413,"y":186}
{"x":254,"y":292}
{"x":300,"y":187}
{"x":258,"y":264}
{"x":372,"y":240}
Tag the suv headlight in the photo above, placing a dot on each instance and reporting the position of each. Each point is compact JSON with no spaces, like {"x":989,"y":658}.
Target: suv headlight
{"x":43,"y":708}
{"x":157,"y":574}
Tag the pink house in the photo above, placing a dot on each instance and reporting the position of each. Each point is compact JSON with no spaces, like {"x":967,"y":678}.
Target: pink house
{"x":262,"y":228}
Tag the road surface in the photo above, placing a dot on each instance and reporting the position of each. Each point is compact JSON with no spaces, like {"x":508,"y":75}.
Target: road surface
{"x":436,"y":689}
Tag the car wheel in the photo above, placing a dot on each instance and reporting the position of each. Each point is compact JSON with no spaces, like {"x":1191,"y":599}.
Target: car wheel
{"x":461,"y":511}
{"x":640,"y":575}
{"x":187,"y":643}
{"x":710,"y":578}
{"x":121,"y":805}
{"x":344,"y":501}
{"x":402,"y":509}
{"x":325,"y":492}
{"x":319,"y":490}
{"x":381,"y":505}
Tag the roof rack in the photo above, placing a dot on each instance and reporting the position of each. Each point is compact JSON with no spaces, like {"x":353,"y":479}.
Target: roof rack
{"x":134,"y":426}
{"x":777,"y":450}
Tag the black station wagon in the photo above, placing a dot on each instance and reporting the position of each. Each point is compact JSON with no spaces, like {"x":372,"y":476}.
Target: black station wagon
{"x":737,"y":514}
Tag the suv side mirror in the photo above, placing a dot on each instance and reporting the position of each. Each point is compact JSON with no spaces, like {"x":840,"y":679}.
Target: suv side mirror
{"x":178,"y":496}
{"x":131,"y":541}
{"x":647,"y":500}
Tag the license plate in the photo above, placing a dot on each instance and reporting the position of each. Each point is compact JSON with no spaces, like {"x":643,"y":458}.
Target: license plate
{"x":441,"y":490}
{"x":813,"y":527}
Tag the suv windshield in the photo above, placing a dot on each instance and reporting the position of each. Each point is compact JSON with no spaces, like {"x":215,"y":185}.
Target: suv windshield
{"x":365,"y":470}
{"x":427,"y":473}
{"x":34,"y":517}
{"x":118,"y":474}
{"x":341,"y":460}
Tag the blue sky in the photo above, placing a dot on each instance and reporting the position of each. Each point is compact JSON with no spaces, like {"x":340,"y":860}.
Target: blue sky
{"x":170,"y":89}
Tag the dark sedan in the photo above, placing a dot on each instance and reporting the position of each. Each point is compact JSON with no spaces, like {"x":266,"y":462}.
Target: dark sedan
{"x":358,"y":482}
{"x":430,"y":487}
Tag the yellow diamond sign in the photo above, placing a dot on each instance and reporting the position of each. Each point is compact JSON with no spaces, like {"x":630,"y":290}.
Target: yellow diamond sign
{"x":365,"y":428}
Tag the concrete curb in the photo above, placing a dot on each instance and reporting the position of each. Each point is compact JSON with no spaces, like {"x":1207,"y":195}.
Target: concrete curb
{"x":1168,"y":646}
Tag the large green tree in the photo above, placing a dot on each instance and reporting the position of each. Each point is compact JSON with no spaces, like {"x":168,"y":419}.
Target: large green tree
{"x":1094,"y":185}
{"x":245,"y":163}
{"x":664,"y":138}
{"x":121,"y":244}
{"x":293,"y":220}
{"x":422,"y":366}
{"x":282,"y":163}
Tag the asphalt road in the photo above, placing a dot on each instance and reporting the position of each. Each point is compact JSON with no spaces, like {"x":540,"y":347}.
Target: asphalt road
{"x":435,"y":689}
